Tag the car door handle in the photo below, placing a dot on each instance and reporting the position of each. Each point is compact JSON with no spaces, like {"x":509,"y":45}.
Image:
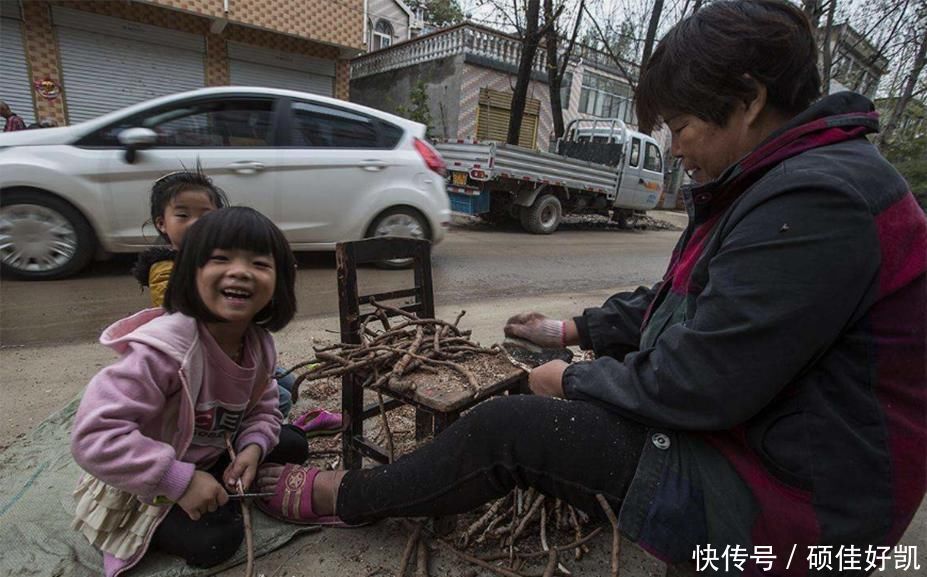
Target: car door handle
{"x":246,"y":167}
{"x":372,"y":165}
{"x":641,"y":181}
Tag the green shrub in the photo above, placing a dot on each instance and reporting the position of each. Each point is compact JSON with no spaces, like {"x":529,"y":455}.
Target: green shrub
{"x":910,"y":158}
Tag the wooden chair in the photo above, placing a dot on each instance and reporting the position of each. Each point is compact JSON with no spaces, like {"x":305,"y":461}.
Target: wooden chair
{"x":433,"y":411}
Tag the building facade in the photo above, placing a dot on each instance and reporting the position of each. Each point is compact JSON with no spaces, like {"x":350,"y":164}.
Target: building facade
{"x":469,"y":72}
{"x":388,"y":22}
{"x":856,"y":64}
{"x":73,"y":60}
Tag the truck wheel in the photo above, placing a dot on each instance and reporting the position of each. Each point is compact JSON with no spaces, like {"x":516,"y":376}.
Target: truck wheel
{"x":42,"y":237}
{"x":542,"y":217}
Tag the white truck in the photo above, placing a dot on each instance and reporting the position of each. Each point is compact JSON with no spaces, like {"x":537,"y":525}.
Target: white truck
{"x":600,"y":167}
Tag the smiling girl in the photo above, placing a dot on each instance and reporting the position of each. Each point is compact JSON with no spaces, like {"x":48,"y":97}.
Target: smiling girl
{"x":150,"y":431}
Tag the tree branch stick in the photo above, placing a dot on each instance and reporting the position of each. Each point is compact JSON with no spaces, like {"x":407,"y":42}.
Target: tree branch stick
{"x":616,"y":537}
{"x":245,"y":514}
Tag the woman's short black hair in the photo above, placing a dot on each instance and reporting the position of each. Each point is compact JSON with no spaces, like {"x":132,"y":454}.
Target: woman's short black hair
{"x":713,"y":59}
{"x":241,"y":228}
{"x":166,"y":188}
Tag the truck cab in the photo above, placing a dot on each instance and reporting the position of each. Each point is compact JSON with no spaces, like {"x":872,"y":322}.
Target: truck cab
{"x":636,"y":156}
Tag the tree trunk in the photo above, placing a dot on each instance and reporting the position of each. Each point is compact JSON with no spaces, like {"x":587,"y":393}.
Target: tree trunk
{"x":555,"y":69}
{"x":813,"y":9}
{"x":651,"y":32}
{"x":528,"y":49}
{"x":553,"y":78}
{"x":907,"y":94}
{"x":826,"y":48}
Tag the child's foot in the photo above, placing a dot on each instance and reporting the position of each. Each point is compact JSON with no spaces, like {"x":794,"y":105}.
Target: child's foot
{"x":303,"y":495}
{"x":319,"y":422}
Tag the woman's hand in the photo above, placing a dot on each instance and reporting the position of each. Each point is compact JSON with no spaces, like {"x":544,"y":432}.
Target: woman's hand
{"x":547,"y":379}
{"x":203,"y":495}
{"x":244,"y":467}
{"x":537,"y":328}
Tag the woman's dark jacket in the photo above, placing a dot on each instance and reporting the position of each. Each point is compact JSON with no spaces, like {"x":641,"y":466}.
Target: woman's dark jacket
{"x":781,"y":364}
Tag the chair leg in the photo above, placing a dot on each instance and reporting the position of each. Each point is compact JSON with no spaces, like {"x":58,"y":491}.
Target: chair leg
{"x":444,"y":420}
{"x":424,"y":424}
{"x":352,"y":405}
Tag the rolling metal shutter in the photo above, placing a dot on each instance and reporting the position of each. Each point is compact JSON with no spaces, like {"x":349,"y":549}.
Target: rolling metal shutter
{"x":15,"y":88}
{"x":492,"y":119}
{"x":254,"y":66}
{"x":108,"y":63}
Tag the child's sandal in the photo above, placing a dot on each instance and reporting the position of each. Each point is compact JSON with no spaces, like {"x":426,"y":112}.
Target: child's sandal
{"x":292,"y":500}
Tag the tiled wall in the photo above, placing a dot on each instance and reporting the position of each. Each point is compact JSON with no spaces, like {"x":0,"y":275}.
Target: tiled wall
{"x":476,"y":77}
{"x":330,"y":21}
{"x":217,"y":60}
{"x":42,"y":56}
{"x":336,"y":22}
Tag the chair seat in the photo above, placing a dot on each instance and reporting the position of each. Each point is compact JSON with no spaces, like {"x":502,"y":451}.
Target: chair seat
{"x":448,"y":392}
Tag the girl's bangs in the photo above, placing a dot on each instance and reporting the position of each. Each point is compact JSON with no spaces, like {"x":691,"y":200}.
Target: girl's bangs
{"x":240,"y":230}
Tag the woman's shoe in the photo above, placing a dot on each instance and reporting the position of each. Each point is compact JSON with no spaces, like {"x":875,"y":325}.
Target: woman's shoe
{"x":319,"y":422}
{"x":292,"y":500}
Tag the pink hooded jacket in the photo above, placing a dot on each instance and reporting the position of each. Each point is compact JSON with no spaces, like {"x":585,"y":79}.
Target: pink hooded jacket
{"x":132,"y":432}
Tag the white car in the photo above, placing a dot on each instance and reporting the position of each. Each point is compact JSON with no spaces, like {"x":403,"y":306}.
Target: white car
{"x":324,"y":170}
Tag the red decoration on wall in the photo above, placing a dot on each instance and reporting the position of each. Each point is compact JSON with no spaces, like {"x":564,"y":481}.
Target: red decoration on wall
{"x":48,"y":88}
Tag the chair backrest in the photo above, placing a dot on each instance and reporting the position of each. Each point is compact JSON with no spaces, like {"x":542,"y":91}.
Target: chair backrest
{"x":350,"y":254}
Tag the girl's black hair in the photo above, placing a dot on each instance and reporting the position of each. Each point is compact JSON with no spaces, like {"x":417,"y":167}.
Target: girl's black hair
{"x":241,"y":228}
{"x":166,"y":188}
{"x":714,"y":59}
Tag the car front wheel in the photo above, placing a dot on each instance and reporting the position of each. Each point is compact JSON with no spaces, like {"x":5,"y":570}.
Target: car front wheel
{"x":400,"y":221}
{"x":42,"y":237}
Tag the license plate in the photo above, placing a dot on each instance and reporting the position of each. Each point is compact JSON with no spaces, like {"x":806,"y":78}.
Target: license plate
{"x":459,"y":178}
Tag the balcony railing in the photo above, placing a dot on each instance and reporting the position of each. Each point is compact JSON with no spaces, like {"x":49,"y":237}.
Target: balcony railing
{"x":466,"y":38}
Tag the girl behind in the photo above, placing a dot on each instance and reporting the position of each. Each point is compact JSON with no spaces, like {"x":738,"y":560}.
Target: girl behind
{"x":150,"y":431}
{"x":178,"y":200}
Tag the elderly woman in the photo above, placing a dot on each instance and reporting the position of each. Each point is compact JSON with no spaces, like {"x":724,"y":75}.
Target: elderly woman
{"x":772,"y":390}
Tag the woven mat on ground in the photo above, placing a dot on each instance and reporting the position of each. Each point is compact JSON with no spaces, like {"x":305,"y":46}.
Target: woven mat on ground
{"x":37,"y":476}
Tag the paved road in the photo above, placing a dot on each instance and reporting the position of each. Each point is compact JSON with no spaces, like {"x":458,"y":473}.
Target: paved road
{"x":474,"y":263}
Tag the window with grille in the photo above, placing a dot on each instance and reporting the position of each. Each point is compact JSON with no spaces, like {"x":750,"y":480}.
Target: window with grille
{"x":495,"y":109}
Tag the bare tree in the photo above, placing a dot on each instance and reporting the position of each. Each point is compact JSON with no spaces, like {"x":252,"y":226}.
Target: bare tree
{"x":556,"y":69}
{"x":529,"y":48}
{"x":826,"y":48}
{"x":651,"y":31}
{"x":910,"y":83}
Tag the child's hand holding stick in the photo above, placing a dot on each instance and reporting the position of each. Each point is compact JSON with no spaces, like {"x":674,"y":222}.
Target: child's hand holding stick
{"x":245,"y":513}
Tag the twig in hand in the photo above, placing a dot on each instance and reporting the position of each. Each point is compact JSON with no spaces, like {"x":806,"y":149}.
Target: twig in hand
{"x":414,"y":539}
{"x":245,"y":514}
{"x":616,"y":537}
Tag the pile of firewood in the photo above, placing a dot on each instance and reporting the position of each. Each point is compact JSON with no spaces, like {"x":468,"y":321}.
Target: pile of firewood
{"x":506,"y":528}
{"x":386,"y":354}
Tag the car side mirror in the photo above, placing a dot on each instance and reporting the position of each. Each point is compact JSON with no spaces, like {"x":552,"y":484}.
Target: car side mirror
{"x":135,"y":139}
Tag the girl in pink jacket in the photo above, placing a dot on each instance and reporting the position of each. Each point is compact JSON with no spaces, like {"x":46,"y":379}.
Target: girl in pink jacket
{"x":151,"y":428}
